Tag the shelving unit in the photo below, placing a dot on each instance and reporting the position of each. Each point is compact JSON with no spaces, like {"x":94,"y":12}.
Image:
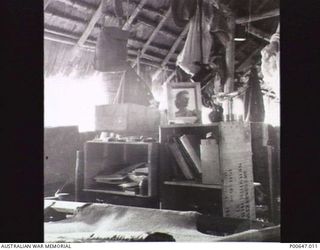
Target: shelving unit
{"x":234,"y":140}
{"x":106,"y":158}
{"x":188,"y":183}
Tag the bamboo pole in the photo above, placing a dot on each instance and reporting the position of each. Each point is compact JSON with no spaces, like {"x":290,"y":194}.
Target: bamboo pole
{"x":230,"y":56}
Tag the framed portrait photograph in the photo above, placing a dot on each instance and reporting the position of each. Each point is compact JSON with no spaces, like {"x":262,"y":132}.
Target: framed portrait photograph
{"x":184,"y":102}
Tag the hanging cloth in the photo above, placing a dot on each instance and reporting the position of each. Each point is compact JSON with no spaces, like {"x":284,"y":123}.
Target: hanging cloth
{"x":270,"y":63}
{"x":193,"y":55}
{"x":253,"y":99}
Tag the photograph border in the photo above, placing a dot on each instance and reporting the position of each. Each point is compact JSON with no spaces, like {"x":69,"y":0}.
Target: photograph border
{"x":183,"y":85}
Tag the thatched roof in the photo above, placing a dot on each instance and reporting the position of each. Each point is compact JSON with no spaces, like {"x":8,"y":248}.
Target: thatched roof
{"x":71,"y":22}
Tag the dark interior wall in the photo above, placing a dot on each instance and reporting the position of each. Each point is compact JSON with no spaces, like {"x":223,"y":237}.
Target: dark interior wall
{"x":60,"y":146}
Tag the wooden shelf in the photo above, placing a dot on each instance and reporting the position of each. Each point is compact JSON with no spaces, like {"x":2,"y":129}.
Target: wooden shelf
{"x":189,"y":125}
{"x":115,"y":192}
{"x":121,"y":142}
{"x":192,"y":184}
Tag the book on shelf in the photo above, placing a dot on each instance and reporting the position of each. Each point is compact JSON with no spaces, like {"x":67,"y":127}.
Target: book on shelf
{"x":119,"y":176}
{"x":210,"y":162}
{"x":179,"y":158}
{"x":110,"y":179}
{"x":188,"y":146}
{"x":130,"y":187}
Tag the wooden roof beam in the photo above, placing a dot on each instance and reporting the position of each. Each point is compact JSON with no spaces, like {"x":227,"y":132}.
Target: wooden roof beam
{"x":94,"y":19}
{"x":153,"y":35}
{"x":80,"y":5}
{"x":142,"y":19}
{"x":89,"y":44}
{"x":259,"y":33}
{"x":98,"y":25}
{"x":172,"y":50}
{"x":91,"y":7}
{"x":173,"y":74}
{"x":148,"y":22}
{"x":136,"y":11}
{"x":149,"y":8}
{"x":257,"y":17}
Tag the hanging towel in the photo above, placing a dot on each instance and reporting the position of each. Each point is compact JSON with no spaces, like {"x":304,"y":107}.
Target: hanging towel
{"x":190,"y":57}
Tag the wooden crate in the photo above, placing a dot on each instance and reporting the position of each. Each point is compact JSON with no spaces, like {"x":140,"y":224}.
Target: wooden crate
{"x":127,"y":118}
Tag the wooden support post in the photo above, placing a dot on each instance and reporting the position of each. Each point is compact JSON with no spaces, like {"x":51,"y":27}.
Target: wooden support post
{"x":272,"y":198}
{"x":79,"y":175}
{"x":230,"y":56}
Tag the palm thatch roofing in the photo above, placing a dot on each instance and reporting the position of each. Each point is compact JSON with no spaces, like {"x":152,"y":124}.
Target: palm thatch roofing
{"x":71,"y":28}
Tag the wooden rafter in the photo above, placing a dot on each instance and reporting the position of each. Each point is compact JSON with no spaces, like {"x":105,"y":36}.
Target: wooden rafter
{"x":131,"y":56}
{"x":136,"y":11}
{"x":170,"y":77}
{"x":90,"y":45}
{"x":84,"y":6}
{"x":257,"y":17}
{"x":91,"y":24}
{"x":153,"y":34}
{"x":172,"y":50}
{"x":142,"y":19}
{"x":93,"y":42}
{"x":260,"y":34}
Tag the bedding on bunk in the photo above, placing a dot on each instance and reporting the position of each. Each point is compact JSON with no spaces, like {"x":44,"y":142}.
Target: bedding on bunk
{"x":107,"y":223}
